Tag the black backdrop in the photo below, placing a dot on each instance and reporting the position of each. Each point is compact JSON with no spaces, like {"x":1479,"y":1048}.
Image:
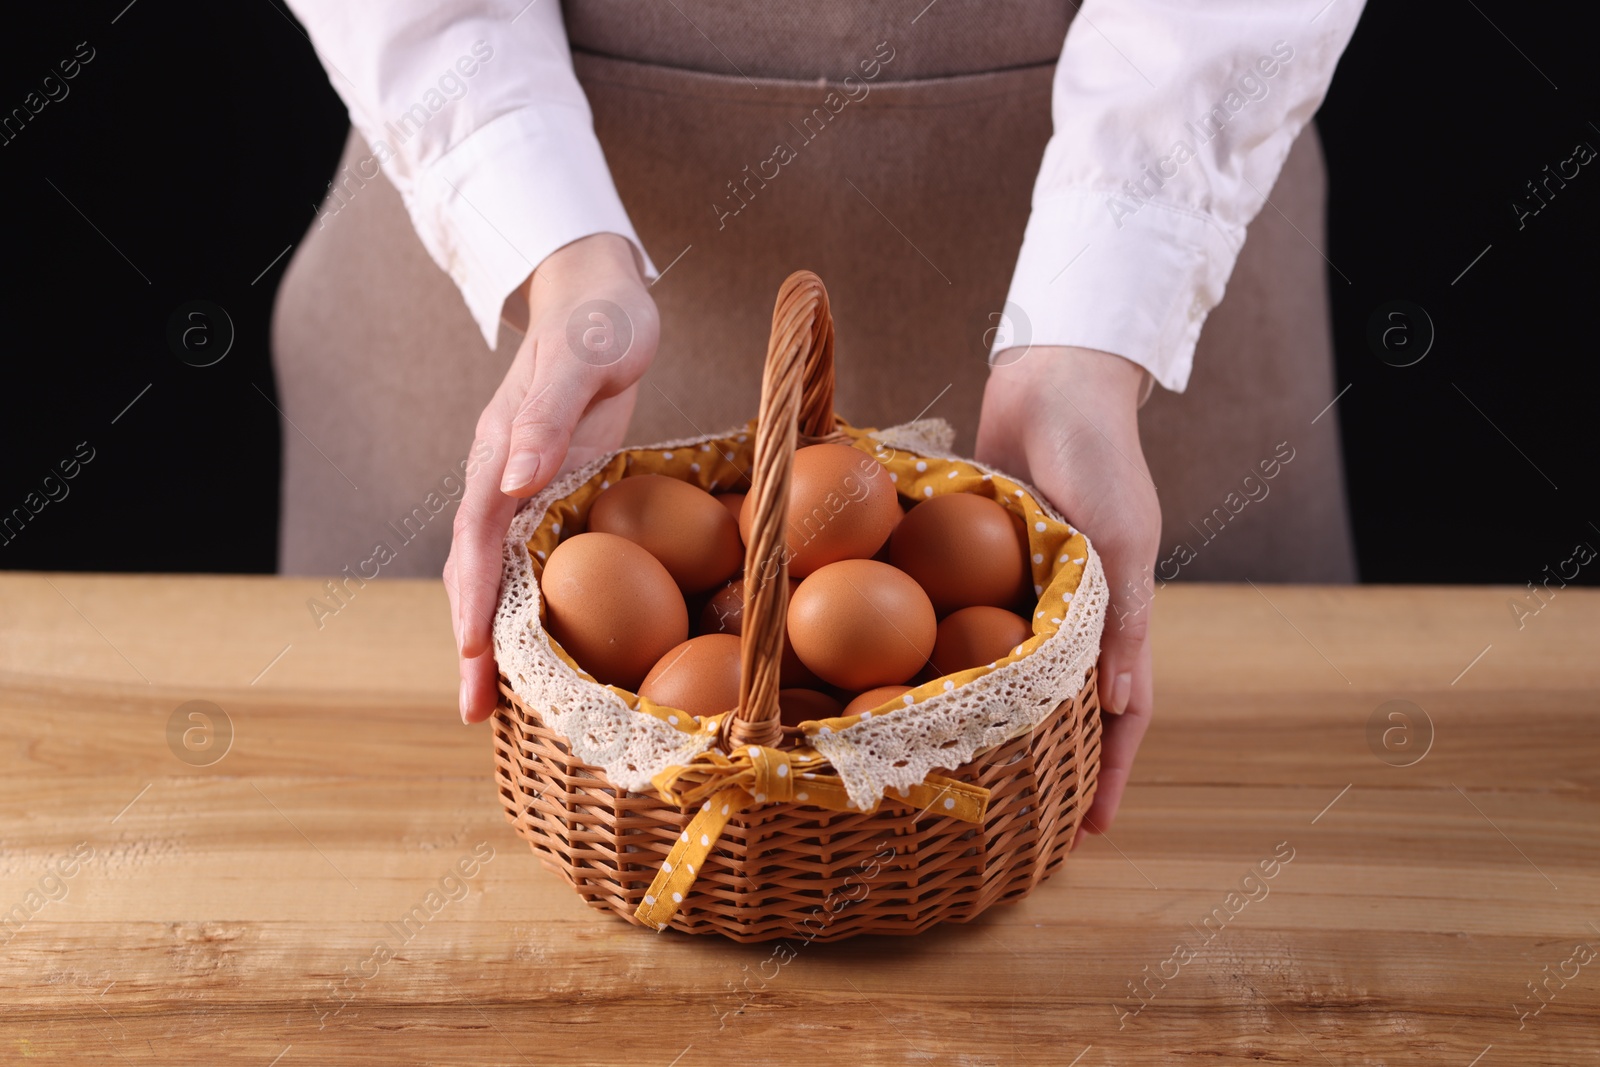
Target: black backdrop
{"x":190,"y":150}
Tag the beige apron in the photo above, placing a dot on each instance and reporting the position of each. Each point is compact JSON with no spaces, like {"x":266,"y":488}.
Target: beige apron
{"x":909,"y":199}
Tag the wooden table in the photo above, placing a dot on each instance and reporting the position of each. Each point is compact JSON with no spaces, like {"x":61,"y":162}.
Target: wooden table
{"x":173,"y":912}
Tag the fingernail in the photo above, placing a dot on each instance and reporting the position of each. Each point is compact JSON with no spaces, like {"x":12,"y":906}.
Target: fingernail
{"x":465,"y":696}
{"x":520,"y":469}
{"x":1121,"y":690}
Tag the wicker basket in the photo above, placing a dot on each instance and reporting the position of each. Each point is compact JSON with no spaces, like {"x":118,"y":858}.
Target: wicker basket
{"x":789,"y":869}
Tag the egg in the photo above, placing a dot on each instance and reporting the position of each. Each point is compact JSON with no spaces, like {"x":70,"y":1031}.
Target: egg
{"x":1026,"y":595}
{"x":733,"y":502}
{"x":796,"y":706}
{"x":724,"y":614}
{"x":859,"y":624}
{"x":976,"y":637}
{"x":842,"y":505}
{"x":679,"y":524}
{"x":700,"y":676}
{"x":612,"y":606}
{"x":964,"y":550}
{"x":874,"y":697}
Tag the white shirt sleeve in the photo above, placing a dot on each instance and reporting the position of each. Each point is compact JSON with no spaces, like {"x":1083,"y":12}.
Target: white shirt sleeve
{"x":1172,"y":122}
{"x":474,"y":113}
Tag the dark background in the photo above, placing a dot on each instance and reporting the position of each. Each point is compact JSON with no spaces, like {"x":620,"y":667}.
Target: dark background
{"x":193,"y":148}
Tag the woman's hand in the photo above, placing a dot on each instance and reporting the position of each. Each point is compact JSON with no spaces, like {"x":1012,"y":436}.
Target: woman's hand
{"x":1066,"y":419}
{"x":567,"y":399}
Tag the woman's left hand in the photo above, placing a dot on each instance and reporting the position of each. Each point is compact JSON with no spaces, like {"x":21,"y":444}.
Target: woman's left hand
{"x":1066,"y":420}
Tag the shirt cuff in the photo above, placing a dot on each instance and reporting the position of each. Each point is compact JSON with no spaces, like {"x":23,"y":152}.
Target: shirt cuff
{"x":525,"y":184}
{"x":1110,"y":273}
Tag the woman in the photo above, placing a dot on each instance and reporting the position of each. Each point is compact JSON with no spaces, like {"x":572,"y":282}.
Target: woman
{"x":476,"y":228}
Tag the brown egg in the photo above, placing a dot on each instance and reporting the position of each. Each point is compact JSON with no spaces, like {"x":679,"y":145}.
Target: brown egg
{"x":724,"y":611}
{"x":976,"y":637}
{"x":612,"y":606}
{"x":842,"y":505}
{"x":859,"y":624}
{"x":1027,"y":596}
{"x":681,"y":525}
{"x":724,"y":614}
{"x":733,"y":502}
{"x":796,"y":706}
{"x":700,"y":676}
{"x":873,"y":697}
{"x":963,"y":550}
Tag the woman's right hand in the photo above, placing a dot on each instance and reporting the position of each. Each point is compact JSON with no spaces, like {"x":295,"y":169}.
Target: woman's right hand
{"x":567,"y":399}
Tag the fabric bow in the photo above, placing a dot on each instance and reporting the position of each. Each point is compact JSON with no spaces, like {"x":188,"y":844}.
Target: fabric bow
{"x":726,"y":783}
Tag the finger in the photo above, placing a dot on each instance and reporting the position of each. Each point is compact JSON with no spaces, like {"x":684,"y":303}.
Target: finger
{"x":473,"y":578}
{"x":1125,"y":674}
{"x":480,"y":687}
{"x":1119,"y":743}
{"x":541,"y":430}
{"x":450,"y":591}
{"x":1127,"y":556}
{"x":601,"y":430}
{"x":479,"y":675}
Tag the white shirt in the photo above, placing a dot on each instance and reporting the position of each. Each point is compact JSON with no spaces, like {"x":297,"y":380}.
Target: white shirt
{"x":1172,"y":122}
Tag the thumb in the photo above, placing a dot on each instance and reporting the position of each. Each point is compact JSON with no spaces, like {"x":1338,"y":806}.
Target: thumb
{"x":542,"y":428}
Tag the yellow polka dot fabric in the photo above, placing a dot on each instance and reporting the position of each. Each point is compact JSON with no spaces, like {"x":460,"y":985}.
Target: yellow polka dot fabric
{"x":723,"y":464}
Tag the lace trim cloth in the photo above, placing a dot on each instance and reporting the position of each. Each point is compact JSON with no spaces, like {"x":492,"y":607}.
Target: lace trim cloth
{"x":892,"y":750}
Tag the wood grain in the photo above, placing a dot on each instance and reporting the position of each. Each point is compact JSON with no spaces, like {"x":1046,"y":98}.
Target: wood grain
{"x":230,"y":913}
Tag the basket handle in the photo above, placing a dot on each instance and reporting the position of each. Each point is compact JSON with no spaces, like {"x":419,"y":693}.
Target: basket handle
{"x":796,"y":406}
{"x":816,"y":421}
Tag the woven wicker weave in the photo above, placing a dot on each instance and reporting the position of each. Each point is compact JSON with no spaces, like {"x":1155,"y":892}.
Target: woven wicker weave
{"x":788,"y":870}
